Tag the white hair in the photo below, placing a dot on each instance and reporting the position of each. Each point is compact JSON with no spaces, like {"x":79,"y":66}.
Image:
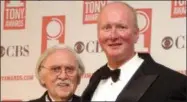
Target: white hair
{"x":49,"y":51}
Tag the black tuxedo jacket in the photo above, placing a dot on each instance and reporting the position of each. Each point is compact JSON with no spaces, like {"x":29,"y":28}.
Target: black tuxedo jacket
{"x":42,"y":98}
{"x":152,"y":82}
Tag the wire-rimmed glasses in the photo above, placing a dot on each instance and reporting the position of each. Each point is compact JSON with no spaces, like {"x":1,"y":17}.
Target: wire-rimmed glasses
{"x":57,"y":70}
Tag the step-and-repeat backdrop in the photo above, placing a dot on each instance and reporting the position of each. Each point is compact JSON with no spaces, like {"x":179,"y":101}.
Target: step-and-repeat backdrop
{"x":29,"y":27}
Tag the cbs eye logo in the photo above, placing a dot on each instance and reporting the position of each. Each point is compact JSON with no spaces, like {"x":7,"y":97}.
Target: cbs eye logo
{"x":79,"y":47}
{"x":2,"y":51}
{"x":167,"y":42}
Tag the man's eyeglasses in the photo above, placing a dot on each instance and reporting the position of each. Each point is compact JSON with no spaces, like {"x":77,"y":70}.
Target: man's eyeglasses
{"x":57,"y":70}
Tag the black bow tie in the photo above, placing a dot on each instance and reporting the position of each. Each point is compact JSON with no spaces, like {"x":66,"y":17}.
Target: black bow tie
{"x":111,"y":73}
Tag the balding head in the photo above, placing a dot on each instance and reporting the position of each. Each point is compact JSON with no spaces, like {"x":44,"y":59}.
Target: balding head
{"x":119,"y":6}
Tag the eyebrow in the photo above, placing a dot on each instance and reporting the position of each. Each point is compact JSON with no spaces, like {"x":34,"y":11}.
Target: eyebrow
{"x":114,"y":24}
{"x":69,"y":65}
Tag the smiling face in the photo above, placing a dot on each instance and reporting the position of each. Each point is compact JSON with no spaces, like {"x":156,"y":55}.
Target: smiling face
{"x":117,"y":32}
{"x":60,"y":85}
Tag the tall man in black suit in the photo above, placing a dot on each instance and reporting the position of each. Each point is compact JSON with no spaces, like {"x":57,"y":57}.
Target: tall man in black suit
{"x":129,"y":76}
{"x":59,"y":70}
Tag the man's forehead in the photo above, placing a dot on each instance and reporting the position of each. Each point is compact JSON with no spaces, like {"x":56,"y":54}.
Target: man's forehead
{"x":60,"y":53}
{"x":116,"y":9}
{"x":115,"y":6}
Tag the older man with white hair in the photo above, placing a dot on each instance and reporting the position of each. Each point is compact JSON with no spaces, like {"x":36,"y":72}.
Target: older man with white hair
{"x":59,"y":70}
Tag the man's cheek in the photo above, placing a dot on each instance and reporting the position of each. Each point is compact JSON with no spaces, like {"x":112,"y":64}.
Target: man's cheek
{"x":126,"y":36}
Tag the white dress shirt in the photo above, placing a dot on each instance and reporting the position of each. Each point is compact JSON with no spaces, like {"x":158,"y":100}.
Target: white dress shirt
{"x":107,"y":90}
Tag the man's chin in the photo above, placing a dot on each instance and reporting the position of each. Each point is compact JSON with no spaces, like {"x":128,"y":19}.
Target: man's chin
{"x":64,"y":94}
{"x":114,"y":54}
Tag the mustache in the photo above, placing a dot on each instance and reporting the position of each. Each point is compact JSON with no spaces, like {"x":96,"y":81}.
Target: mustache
{"x":64,"y":83}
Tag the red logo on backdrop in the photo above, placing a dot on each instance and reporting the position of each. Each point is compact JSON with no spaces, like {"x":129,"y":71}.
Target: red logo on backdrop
{"x":91,"y":10}
{"x":144,"y":21}
{"x":14,"y":14}
{"x":178,"y":8}
{"x":53,"y":31}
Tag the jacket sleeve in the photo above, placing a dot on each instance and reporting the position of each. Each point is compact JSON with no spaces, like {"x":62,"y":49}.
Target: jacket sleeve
{"x":179,"y":94}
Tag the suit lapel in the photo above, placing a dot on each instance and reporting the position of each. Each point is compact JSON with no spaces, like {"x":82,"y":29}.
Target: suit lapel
{"x":76,"y":98}
{"x":89,"y":91}
{"x":42,"y":98}
{"x":139,"y":83}
{"x":132,"y":93}
{"x":87,"y":95}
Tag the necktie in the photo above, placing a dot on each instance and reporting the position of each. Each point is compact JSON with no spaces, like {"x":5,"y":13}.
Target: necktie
{"x":114,"y":74}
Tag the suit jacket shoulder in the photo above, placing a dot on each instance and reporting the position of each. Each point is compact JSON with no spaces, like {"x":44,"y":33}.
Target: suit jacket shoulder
{"x":75,"y":98}
{"x":41,"y":99}
{"x":97,"y":73}
{"x":169,"y":86}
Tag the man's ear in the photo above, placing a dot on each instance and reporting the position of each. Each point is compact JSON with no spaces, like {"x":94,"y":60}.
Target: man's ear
{"x":41,"y":76}
{"x":136,"y":34}
{"x":78,"y":79}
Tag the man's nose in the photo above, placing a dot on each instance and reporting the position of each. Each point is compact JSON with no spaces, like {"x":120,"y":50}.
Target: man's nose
{"x":113,"y":34}
{"x":62,"y":74}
